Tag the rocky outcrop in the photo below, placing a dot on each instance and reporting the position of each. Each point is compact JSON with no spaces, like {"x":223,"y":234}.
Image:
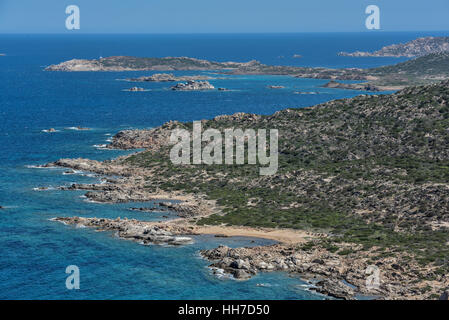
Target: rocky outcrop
{"x":351,"y":86}
{"x":183,"y":209}
{"x":243,"y":263}
{"x":143,"y":232}
{"x":337,"y":275}
{"x":168,"y":77}
{"x":414,"y":48}
{"x":152,"y":139}
{"x":134,"y":89}
{"x":193,"y":86}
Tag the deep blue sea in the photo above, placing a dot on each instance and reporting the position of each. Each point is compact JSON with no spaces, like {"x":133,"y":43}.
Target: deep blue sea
{"x":35,"y":251}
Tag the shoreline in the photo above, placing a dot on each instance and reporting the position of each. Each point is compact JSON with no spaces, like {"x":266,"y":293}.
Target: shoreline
{"x":339,"y":268}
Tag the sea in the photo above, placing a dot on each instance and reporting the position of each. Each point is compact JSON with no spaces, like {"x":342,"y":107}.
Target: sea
{"x":35,"y":251}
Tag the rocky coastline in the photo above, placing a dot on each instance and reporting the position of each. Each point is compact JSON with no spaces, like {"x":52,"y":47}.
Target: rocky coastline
{"x":329,"y":273}
{"x":414,"y":48}
{"x":351,"y":86}
{"x":142,"y":232}
{"x":168,"y":77}
{"x":377,"y":212}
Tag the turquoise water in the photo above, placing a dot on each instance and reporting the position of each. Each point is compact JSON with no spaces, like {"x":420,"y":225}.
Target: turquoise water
{"x":35,"y":251}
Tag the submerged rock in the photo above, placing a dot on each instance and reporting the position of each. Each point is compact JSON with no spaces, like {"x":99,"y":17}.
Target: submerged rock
{"x":133,"y":89}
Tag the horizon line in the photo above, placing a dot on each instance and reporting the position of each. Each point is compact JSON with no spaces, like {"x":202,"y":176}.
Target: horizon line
{"x":211,"y":33}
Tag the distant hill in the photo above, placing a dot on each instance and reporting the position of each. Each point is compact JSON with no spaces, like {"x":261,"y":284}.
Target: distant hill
{"x":432,"y":64}
{"x":414,"y":48}
{"x":426,"y":69}
{"x":126,"y":63}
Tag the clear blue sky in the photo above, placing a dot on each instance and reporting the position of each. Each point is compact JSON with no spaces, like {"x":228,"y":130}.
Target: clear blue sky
{"x":210,"y":16}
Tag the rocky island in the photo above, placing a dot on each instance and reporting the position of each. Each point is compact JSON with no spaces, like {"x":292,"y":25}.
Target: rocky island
{"x":193,"y":85}
{"x":124,"y":63}
{"x":135,"y":89}
{"x":414,"y":48}
{"x":362,"y":182}
{"x":425,"y":69}
{"x":168,"y":77}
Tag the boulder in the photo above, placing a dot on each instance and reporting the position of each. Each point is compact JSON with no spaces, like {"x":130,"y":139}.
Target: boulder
{"x":241,"y":274}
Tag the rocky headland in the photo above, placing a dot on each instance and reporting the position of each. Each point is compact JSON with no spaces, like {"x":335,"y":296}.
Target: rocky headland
{"x":142,"y":232}
{"x":414,"y":48}
{"x":361,"y":182}
{"x":351,"y":86}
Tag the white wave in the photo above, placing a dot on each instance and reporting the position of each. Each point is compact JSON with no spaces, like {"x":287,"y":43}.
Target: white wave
{"x":44,"y":188}
{"x":77,"y":128}
{"x":39,"y":166}
{"x":92,"y":201}
{"x":263,"y":285}
{"x":101,"y":147}
{"x":220,"y":273}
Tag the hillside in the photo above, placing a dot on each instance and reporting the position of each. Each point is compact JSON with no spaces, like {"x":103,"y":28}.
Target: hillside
{"x":414,"y":48}
{"x":367,"y":179}
{"x":423,"y":70}
{"x":372,"y":170}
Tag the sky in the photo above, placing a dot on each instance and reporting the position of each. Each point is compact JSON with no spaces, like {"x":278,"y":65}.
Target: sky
{"x":221,"y":16}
